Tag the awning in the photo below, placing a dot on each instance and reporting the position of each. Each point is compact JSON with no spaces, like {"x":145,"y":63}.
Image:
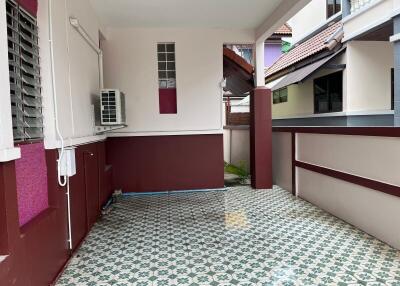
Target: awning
{"x":301,"y":74}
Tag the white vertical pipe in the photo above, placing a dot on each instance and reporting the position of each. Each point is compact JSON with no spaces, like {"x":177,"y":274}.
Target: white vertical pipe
{"x":69,"y":215}
{"x":61,"y":182}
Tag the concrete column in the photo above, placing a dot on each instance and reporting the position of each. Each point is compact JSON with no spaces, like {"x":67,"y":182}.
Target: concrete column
{"x":259,"y":64}
{"x":261,"y":138}
{"x":396,"y":47}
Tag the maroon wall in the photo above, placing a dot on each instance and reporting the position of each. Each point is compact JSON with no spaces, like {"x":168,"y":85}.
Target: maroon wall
{"x":161,"y":163}
{"x":30,"y":6}
{"x":39,"y":250}
{"x":167,"y":101}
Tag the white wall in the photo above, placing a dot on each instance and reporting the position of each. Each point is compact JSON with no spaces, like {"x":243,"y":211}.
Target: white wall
{"x":76,"y":70}
{"x":7,"y":151}
{"x":282,"y":159}
{"x":238,"y":146}
{"x":376,"y":158}
{"x":307,"y":19}
{"x":130,"y":64}
{"x":369,"y":75}
{"x":374,"y":212}
{"x":371,"y":16}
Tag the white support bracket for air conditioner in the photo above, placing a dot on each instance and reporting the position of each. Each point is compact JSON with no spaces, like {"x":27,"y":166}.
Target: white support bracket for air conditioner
{"x":105,"y":129}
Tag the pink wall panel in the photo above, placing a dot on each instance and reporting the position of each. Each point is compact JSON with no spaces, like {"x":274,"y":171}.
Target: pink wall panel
{"x":31,"y":175}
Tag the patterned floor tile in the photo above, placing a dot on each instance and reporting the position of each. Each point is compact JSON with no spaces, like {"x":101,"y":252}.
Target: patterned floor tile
{"x":238,"y":237}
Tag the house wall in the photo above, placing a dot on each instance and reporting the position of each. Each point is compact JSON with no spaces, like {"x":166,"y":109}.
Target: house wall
{"x":272,"y":52}
{"x":162,"y":152}
{"x":307,"y":19}
{"x":76,"y":71}
{"x":301,"y":96}
{"x":369,"y":75}
{"x":130,"y":64}
{"x":368,"y":17}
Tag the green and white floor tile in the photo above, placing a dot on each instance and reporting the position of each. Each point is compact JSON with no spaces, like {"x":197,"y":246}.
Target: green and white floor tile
{"x":238,"y":237}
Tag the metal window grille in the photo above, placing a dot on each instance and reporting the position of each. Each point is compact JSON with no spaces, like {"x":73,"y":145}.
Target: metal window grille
{"x":166,"y":65}
{"x":24,"y":70}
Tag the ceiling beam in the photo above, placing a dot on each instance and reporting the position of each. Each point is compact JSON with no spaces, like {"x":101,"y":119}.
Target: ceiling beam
{"x":286,"y":10}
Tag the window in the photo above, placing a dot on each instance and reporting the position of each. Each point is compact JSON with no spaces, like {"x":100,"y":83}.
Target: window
{"x":392,"y":89}
{"x":280,"y":95}
{"x":328,"y":93}
{"x":23,"y":58}
{"x":333,"y":7}
{"x":167,"y":78}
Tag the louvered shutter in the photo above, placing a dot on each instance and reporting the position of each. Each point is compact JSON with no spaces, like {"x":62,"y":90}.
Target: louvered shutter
{"x":25,"y":89}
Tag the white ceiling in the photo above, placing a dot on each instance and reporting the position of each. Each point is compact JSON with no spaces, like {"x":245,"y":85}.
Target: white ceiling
{"x":246,"y":14}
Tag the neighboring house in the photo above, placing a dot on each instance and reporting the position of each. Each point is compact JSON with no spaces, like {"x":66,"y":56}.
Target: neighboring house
{"x":334,"y":77}
{"x":373,"y":52}
{"x":277,"y":44}
{"x":313,"y":16}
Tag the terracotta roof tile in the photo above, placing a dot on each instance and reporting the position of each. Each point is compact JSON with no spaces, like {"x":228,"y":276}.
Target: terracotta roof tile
{"x":306,"y":49}
{"x":284,"y":30}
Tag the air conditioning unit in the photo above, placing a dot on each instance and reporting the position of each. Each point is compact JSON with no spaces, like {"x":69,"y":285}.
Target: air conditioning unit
{"x":112,"y":102}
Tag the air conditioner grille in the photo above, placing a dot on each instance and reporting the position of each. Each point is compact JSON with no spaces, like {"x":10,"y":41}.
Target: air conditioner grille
{"x":112,"y":107}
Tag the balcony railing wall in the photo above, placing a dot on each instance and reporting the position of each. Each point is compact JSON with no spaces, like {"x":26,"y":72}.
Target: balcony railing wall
{"x":356,"y":5}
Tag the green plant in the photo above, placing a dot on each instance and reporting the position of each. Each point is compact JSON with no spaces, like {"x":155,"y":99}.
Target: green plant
{"x":241,"y":171}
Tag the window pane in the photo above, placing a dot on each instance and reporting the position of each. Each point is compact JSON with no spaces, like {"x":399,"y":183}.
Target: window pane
{"x":171,"y":57}
{"x":276,"y":98}
{"x":162,"y":84}
{"x":338,"y":6}
{"x":171,"y":83}
{"x":321,"y":96}
{"x":328,"y":93}
{"x":335,"y":91}
{"x":171,"y":66}
{"x":283,"y":95}
{"x":162,"y":75}
{"x":330,"y":8}
{"x":161,"y":57}
{"x":170,"y":48}
{"x":171,"y":74}
{"x":162,"y":66}
{"x":161,"y":48}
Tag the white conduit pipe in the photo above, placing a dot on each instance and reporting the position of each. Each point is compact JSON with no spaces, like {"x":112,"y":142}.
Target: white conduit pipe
{"x":75,"y":23}
{"x":62,"y":180}
{"x":69,"y":215}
